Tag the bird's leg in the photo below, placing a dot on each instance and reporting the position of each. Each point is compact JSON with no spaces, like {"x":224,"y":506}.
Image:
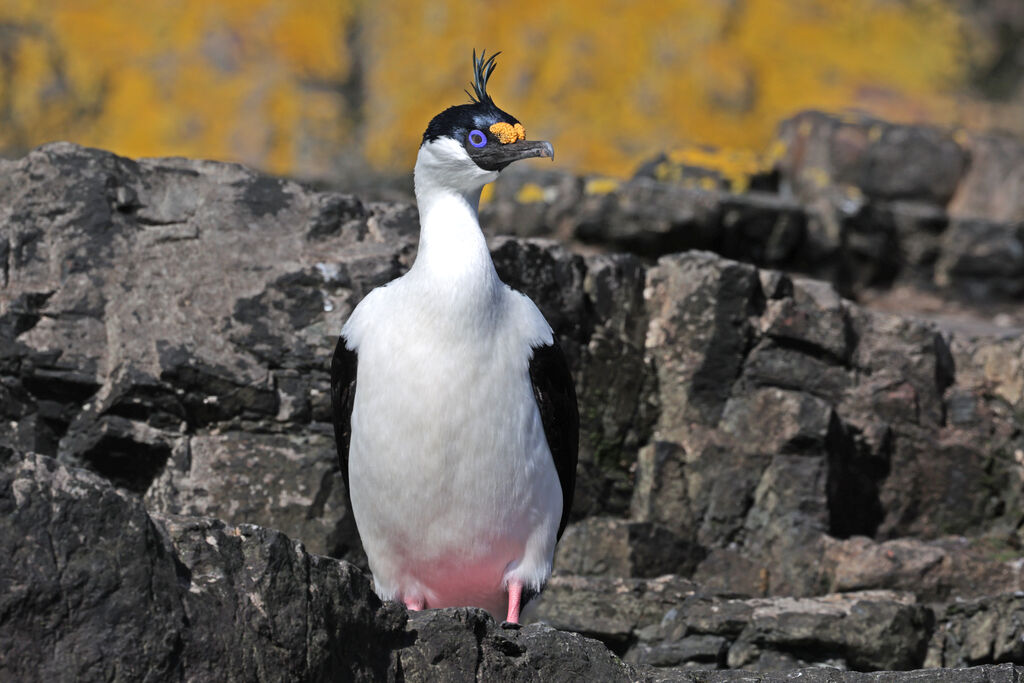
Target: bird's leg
{"x":413,"y":604}
{"x":515,"y":596}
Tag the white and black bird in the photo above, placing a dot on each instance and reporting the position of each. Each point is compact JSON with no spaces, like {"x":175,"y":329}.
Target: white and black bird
{"x":454,"y":408}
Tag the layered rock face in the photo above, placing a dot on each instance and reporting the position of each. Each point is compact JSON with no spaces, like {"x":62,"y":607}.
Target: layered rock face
{"x":772,"y":477}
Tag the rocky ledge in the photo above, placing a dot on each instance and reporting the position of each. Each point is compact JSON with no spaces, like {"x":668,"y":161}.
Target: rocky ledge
{"x":772,"y":477}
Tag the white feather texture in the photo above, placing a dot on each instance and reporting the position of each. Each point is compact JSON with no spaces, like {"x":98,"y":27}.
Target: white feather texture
{"x":453,"y":486}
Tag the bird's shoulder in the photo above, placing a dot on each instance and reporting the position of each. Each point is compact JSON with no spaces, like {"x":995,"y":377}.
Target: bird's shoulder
{"x":378,"y":307}
{"x":525,"y":316}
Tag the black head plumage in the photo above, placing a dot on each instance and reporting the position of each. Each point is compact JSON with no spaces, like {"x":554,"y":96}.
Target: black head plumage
{"x":491,"y":138}
{"x":480,"y":113}
{"x":482,"y":69}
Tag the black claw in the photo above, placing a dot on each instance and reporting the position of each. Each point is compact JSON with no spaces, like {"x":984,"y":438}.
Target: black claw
{"x":511,"y":626}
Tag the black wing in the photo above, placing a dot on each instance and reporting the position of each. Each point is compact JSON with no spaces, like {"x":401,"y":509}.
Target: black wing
{"x":556,"y":397}
{"x":343,"y":393}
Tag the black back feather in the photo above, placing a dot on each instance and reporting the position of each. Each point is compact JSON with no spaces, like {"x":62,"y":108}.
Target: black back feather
{"x":343,"y":394}
{"x":555,"y":392}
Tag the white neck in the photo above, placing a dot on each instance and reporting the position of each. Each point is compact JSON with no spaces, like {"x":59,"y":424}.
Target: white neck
{"x":453,"y":253}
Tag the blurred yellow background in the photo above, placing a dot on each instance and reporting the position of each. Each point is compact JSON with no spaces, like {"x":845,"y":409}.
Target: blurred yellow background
{"x":296,"y":87}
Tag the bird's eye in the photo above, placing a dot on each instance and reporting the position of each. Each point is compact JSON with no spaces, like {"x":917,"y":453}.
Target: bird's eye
{"x":477,"y":138}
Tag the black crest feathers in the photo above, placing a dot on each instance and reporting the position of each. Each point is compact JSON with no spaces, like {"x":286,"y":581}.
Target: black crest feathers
{"x":482,"y":69}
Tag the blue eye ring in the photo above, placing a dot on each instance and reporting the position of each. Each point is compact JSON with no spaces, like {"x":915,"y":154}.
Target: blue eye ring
{"x":477,"y":138}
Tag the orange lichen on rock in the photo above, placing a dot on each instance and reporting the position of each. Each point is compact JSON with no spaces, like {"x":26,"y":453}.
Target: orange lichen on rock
{"x":506,"y":132}
{"x":621,"y":82}
{"x":293,"y":86}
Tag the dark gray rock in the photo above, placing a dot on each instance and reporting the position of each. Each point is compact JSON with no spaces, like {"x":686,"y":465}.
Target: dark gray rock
{"x":601,"y":546}
{"x":612,"y":610}
{"x":980,"y":631}
{"x":653,"y":218}
{"x":90,"y":588}
{"x":860,"y":631}
{"x":647,"y":216}
{"x":700,"y":309}
{"x":167,"y":324}
{"x":670,"y":622}
{"x":463,"y":644}
{"x":532,"y":203}
{"x":1006,"y":673}
{"x":814,"y":419}
{"x":990,"y":190}
{"x":880,"y":159}
{"x":259,"y":605}
{"x":982,"y":259}
{"x":94,"y":589}
{"x":169,"y":307}
{"x":288,"y":478}
{"x":934,"y":570}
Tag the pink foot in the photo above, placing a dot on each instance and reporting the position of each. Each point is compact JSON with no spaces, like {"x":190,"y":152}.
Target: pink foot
{"x":515,"y":596}
{"x":413,"y":604}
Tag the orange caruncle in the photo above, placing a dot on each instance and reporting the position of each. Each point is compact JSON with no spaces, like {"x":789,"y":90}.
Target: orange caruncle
{"x":506,"y":132}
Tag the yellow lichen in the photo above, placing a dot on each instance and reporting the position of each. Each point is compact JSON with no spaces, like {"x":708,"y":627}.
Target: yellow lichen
{"x":601,"y":185}
{"x":281,"y":84}
{"x":531,"y":193}
{"x":776,"y":153}
{"x":735,"y":166}
{"x":487,"y":194}
{"x":817,"y":176}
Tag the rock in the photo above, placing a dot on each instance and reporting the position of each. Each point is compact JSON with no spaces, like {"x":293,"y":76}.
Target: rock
{"x":289,"y":479}
{"x":460,"y":644}
{"x":813,"y":314}
{"x":90,"y":587}
{"x":990,"y":190}
{"x":815,"y":419}
{"x":879,"y":159}
{"x":257,"y":602}
{"x":748,"y":434}
{"x":598,"y":546}
{"x":649,"y":218}
{"x":1005,"y":673}
{"x":933,"y":570}
{"x":97,"y":590}
{"x":851,"y":199}
{"x":862,"y":631}
{"x":982,"y":259}
{"x":708,"y":167}
{"x":653,"y":218}
{"x":700,"y":310}
{"x":612,"y":610}
{"x":669,"y":622}
{"x":163,"y":314}
{"x":532,"y":203}
{"x":981,"y":631}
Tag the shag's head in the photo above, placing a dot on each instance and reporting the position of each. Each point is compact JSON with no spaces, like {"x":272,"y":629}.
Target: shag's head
{"x":473,"y":142}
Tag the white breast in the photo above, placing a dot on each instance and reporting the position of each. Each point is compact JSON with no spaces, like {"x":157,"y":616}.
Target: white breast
{"x":453,"y":487}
